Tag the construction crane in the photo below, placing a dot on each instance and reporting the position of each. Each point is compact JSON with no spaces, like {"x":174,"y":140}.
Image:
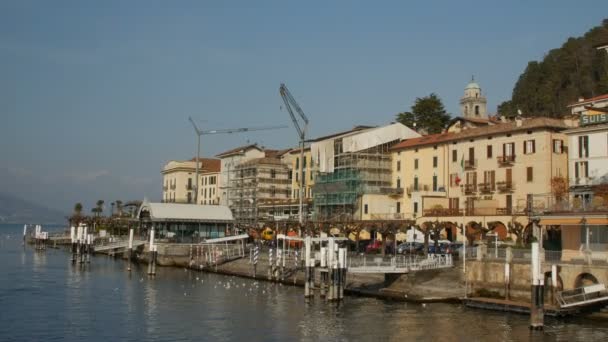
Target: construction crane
{"x":289,"y":103}
{"x":199,"y":133}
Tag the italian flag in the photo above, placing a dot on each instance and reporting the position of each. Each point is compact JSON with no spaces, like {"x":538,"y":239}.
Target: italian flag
{"x":461,"y":174}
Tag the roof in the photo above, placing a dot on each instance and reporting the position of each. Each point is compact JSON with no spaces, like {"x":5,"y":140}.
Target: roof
{"x":354,"y":129}
{"x":262,"y":161}
{"x":473,"y":120}
{"x":472,"y":85}
{"x":526,"y":124}
{"x":238,"y":150}
{"x":587,"y":101}
{"x":209,"y":164}
{"x":186,"y":212}
{"x":276,"y":153}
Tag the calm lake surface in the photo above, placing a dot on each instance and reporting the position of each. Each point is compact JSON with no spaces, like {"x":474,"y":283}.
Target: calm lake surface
{"x":43,"y":297}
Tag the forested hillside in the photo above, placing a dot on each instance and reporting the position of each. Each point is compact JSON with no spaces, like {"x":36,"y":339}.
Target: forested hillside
{"x":575,"y":69}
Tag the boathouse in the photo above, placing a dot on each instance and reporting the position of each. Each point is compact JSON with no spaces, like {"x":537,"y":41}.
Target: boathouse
{"x":186,"y":223}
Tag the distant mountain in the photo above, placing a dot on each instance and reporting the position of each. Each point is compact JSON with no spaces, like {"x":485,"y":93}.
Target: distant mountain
{"x":17,"y":210}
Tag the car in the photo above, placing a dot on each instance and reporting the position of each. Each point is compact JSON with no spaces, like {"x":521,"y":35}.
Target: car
{"x":373,"y":247}
{"x":410,"y":247}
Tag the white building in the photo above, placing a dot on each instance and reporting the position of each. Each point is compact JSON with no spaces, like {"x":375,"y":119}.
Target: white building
{"x":229,"y":160}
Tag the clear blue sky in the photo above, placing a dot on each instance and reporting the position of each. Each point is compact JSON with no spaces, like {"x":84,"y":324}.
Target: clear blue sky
{"x":95,"y":96}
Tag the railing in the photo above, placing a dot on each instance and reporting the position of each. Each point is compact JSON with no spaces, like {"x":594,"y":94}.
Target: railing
{"x":548,"y":203}
{"x":396,"y":264}
{"x":505,"y":186}
{"x":391,"y":191}
{"x":505,"y":160}
{"x":582,"y":295}
{"x":470,"y":163}
{"x":443,"y":212}
{"x":486,"y":187}
{"x":389,"y":216}
{"x":470,"y":189}
{"x":420,"y":187}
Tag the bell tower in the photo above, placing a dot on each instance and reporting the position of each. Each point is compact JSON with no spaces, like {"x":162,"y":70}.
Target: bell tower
{"x":473,"y":104}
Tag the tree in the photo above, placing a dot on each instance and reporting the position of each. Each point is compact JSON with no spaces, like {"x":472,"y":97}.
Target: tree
{"x":577,"y":68}
{"x":99,"y":207}
{"x":78,"y":209}
{"x":427,"y":113}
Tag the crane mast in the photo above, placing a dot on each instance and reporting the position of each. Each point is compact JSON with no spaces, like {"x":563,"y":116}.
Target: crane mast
{"x":292,"y":105}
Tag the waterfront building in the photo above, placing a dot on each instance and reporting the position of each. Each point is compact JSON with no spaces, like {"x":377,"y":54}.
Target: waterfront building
{"x":179,"y":181}
{"x":183,"y":223}
{"x":229,"y":160}
{"x":484,"y":172}
{"x":353,"y":179}
{"x":258,"y":187}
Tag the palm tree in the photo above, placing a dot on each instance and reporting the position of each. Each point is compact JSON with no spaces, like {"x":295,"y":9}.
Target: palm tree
{"x":99,"y":207}
{"x":77,"y":209}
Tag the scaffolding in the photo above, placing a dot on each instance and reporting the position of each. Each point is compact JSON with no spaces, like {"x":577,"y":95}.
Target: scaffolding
{"x":255,"y":182}
{"x":337,"y":194}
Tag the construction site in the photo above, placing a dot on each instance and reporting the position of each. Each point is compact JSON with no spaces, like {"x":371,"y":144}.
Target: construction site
{"x":351,"y":166}
{"x":254,"y":183}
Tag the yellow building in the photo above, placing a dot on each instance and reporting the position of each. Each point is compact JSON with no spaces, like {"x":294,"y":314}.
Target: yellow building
{"x":481,"y":174}
{"x":307,"y":166}
{"x":179,"y":181}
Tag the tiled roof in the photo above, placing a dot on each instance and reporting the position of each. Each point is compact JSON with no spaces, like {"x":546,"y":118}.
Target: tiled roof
{"x":596,"y":98}
{"x":276,"y":153}
{"x":264,"y":160}
{"x":238,"y":150}
{"x":209,"y":164}
{"x":528,"y":123}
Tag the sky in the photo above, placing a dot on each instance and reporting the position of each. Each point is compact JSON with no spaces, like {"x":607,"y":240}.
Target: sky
{"x":95,"y":96}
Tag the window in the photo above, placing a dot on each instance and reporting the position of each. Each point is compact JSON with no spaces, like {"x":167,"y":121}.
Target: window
{"x":398,"y":207}
{"x":434,"y":182}
{"x":489,"y":178}
{"x":476,"y":110}
{"x":189,"y":197}
{"x":435,"y":161}
{"x":399,"y":165}
{"x":583,"y":146}
{"x":529,"y":174}
{"x":365,"y":209}
{"x":453,"y":180}
{"x":273,"y":191}
{"x":205,"y":193}
{"x":273,"y":173}
{"x":310,"y":172}
{"x":489,"y":153}
{"x":415,"y":207}
{"x":472,"y":155}
{"x":581,"y":170}
{"x":290,"y":175}
{"x":454,"y":156}
{"x":304,"y":163}
{"x":297,"y":163}
{"x":558,"y":146}
{"x":415,"y":183}
{"x":297,"y":177}
{"x":472,"y":179}
{"x":453,"y":204}
{"x":189,"y":185}
{"x":398,"y":183}
{"x":508,"y":149}
{"x":529,"y":147}
{"x":415,"y":164}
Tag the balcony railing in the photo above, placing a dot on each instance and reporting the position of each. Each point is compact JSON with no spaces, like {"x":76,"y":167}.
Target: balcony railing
{"x":389,"y":216}
{"x":505,"y":186}
{"x":391,"y":191}
{"x":550,"y":204}
{"x":506,"y":160}
{"x":469,"y":189}
{"x":425,"y":188}
{"x":444,"y":212}
{"x":470,"y":164}
{"x":486,"y":188}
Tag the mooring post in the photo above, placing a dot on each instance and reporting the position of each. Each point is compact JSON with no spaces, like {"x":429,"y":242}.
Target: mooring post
{"x":256,"y":253}
{"x":553,"y":283}
{"x":307,"y":271}
{"x":270,"y":264}
{"x":278,"y":268}
{"x":130,"y":251}
{"x":507,"y":280}
{"x":323,"y":280}
{"x":78,"y":234}
{"x":330,"y":269}
{"x":341,"y":272}
{"x":24,"y":233}
{"x":537,"y":313}
{"x":83,"y":254}
{"x":151,"y":267}
{"x":73,"y":239}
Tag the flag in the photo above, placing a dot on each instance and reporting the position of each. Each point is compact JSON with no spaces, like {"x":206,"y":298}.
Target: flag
{"x":461,"y":173}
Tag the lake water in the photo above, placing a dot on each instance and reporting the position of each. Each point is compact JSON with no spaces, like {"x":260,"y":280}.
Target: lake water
{"x":43,"y":297}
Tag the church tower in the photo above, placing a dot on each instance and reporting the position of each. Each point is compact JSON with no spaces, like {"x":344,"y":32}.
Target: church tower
{"x":473,"y":104}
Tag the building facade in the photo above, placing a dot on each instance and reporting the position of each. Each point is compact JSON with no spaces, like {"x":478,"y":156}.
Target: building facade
{"x":229,"y":161}
{"x":179,"y":181}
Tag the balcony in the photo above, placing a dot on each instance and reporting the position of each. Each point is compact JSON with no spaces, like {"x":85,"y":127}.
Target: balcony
{"x":427,"y":190}
{"x":566,"y":204}
{"x":470,"y":164}
{"x":443,"y":212}
{"x":506,"y":160}
{"x":391,"y":191}
{"x":505,"y":186}
{"x":469,"y":189}
{"x":486,"y":188}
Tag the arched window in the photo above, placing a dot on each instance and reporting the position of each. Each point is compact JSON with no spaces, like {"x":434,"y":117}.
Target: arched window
{"x":476,"y":110}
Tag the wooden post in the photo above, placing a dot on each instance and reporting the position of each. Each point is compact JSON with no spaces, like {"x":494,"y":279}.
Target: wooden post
{"x":341,"y":271}
{"x":130,"y":251}
{"x":152,"y":260}
{"x":307,"y":242}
